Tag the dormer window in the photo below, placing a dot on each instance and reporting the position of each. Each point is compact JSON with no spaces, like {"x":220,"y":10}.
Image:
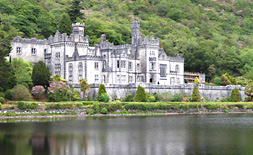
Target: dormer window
{"x":18,"y":50}
{"x":34,"y":51}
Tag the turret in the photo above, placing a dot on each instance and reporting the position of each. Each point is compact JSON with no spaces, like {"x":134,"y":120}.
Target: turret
{"x":78,"y":29}
{"x":135,"y":27}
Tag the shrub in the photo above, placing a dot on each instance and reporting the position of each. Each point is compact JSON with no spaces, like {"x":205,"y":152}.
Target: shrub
{"x":2,"y":100}
{"x":96,"y":108}
{"x":101,"y":91}
{"x":88,"y":102}
{"x":228,"y":80}
{"x":249,"y":90}
{"x":235,"y":95}
{"x":0,"y":105}
{"x":195,"y":94}
{"x":178,"y":97}
{"x":104,"y":111}
{"x":111,"y":106}
{"x":151,"y":98}
{"x":90,"y":112}
{"x":166,"y":96}
{"x":33,"y":105}
{"x":217,"y":81}
{"x":129,"y":98}
{"x":21,"y":93}
{"x":37,"y":91}
{"x":2,"y":94}
{"x":157,"y":97}
{"x":8,"y":94}
{"x":21,"y":105}
{"x":103,"y":97}
{"x":75,"y":95}
{"x":140,"y":95}
{"x":59,"y":91}
{"x":196,"y":80}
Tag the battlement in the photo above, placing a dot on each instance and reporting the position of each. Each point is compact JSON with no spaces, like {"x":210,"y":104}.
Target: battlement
{"x":135,"y":25}
{"x":58,"y":37}
{"x":78,"y":25}
{"x":151,"y":41}
{"x":30,"y":41}
{"x":176,"y":59}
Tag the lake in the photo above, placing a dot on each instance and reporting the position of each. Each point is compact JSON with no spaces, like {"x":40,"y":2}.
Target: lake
{"x":151,"y":135}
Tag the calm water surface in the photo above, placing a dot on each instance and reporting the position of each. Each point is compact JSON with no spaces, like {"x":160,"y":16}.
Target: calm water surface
{"x":158,"y":135}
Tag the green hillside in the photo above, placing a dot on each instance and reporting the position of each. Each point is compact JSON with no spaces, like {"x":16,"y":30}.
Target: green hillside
{"x":214,"y":36}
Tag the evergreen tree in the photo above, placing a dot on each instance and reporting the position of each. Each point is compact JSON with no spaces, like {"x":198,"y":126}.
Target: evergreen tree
{"x":102,"y":94}
{"x":196,"y":95}
{"x":140,"y":95}
{"x":65,"y":25}
{"x":41,"y":74}
{"x":75,"y":10}
{"x":235,"y":95}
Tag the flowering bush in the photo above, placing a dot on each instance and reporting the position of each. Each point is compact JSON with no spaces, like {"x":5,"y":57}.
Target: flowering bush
{"x":249,"y":90}
{"x":37,"y":91}
{"x":59,"y":91}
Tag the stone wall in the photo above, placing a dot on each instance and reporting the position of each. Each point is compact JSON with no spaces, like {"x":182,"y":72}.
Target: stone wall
{"x":212,"y":92}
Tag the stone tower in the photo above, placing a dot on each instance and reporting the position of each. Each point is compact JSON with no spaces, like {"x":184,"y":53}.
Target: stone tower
{"x":135,"y":28}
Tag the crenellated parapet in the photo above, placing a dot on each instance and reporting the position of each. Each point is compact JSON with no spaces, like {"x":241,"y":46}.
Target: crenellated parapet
{"x":176,"y":59}
{"x":29,"y":41}
{"x":58,"y":37}
{"x":151,"y":41}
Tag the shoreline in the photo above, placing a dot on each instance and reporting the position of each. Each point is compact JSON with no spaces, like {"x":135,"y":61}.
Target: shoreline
{"x":120,"y":115}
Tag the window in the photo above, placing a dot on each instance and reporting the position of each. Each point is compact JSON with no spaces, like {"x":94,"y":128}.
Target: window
{"x":57,"y":55}
{"x":118,"y":78}
{"x":70,"y":78}
{"x":96,"y":78}
{"x":104,"y":79}
{"x":123,"y":64}
{"x":70,"y":72}
{"x":172,"y":80}
{"x":96,"y":65}
{"x":177,"y":68}
{"x":138,"y":66}
{"x":130,"y":65}
{"x":58,"y":69}
{"x":45,"y":50}
{"x":152,"y":66}
{"x":163,"y":68}
{"x":130,"y":78}
{"x":117,"y":63}
{"x":104,"y":64}
{"x":18,"y":50}
{"x":70,"y":67}
{"x":34,"y":51}
{"x":123,"y":78}
{"x":80,"y":70}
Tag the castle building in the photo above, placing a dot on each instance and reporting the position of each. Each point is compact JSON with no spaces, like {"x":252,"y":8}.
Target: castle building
{"x":73,"y":59}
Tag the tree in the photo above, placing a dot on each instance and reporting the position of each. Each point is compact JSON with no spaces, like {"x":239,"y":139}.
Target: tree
{"x":228,"y":80}
{"x":196,"y":80}
{"x":235,"y":95}
{"x":41,"y":74}
{"x":65,"y":24}
{"x":84,"y":86}
{"x":75,"y":10}
{"x":140,"y":95}
{"x":196,"y":94}
{"x":23,"y":72}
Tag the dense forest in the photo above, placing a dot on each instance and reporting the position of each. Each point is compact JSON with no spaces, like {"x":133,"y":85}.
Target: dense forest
{"x":214,"y":36}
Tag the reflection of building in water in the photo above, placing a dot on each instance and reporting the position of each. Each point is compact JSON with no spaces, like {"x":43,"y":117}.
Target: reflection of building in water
{"x":40,"y":144}
{"x":190,"y":77}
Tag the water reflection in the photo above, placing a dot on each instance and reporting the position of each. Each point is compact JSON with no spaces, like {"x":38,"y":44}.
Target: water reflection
{"x":212,"y":134}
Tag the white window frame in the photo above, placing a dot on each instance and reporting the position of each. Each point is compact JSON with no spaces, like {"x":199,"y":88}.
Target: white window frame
{"x":18,"y":50}
{"x":34,"y":51}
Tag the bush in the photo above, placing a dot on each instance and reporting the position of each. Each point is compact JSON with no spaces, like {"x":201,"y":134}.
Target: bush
{"x":37,"y":91}
{"x":88,"y":102}
{"x":151,"y":98}
{"x":166,"y":97}
{"x":140,"y":95}
{"x":178,"y":97}
{"x":96,"y":108}
{"x":217,"y":81}
{"x":21,"y":93}
{"x":249,"y":90}
{"x":104,"y":111}
{"x":104,"y":97}
{"x":33,"y":105}
{"x":111,"y":106}
{"x":2,"y":100}
{"x":129,"y":98}
{"x":59,"y":90}
{"x":101,"y":91}
{"x":2,"y":94}
{"x":196,"y":95}
{"x":90,"y":112}
{"x":0,"y":105}
{"x":75,"y":95}
{"x":21,"y":105}
{"x":8,"y":94}
{"x":196,"y":80}
{"x":157,"y":97}
{"x":235,"y":95}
